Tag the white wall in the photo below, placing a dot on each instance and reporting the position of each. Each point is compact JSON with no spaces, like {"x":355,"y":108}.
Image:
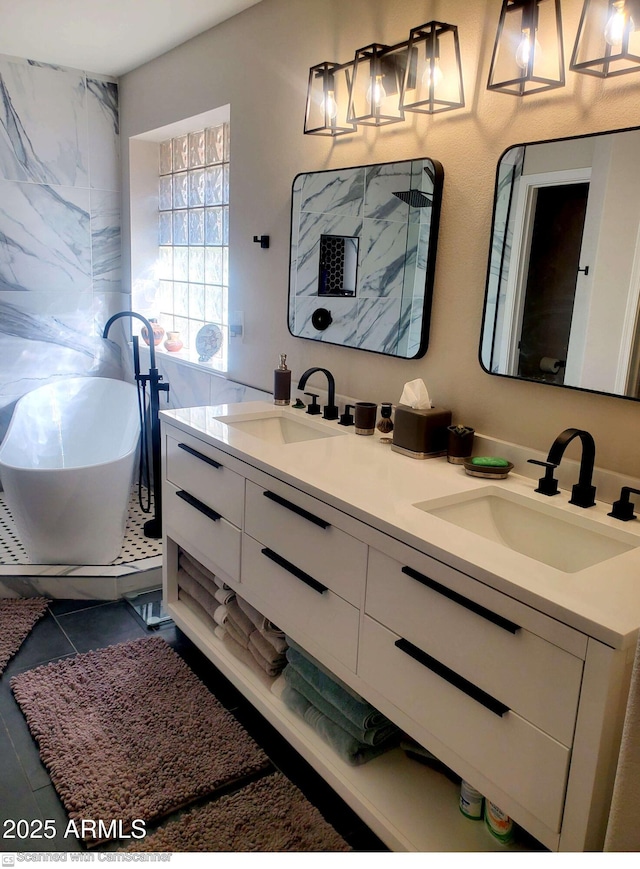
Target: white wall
{"x":258,"y":62}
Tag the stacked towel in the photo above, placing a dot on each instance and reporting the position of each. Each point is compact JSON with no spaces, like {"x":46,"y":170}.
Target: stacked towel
{"x":272,"y":662}
{"x":272,"y":634}
{"x":241,"y":628}
{"x":231,"y":617}
{"x":198,"y":587}
{"x":353,"y":727}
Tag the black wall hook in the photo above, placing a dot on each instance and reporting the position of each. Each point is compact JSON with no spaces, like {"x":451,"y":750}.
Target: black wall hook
{"x":262,"y":240}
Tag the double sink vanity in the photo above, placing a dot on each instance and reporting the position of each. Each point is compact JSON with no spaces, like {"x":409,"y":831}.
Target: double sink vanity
{"x":494,"y":625}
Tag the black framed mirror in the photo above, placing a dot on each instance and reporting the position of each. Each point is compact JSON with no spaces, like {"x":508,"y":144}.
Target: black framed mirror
{"x":562,"y":295}
{"x":362,"y":259}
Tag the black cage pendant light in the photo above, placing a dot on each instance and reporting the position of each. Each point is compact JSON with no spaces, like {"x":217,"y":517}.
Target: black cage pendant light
{"x":608,"y":38}
{"x":374,"y":99}
{"x":328,"y":100}
{"x":528,"y":55}
{"x":433,"y":76}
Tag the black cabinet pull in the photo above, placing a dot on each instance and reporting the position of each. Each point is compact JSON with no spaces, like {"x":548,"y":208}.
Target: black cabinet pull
{"x":295,"y":509}
{"x":208,"y":512}
{"x":198,"y":455}
{"x":452,"y":677}
{"x":476,"y":608}
{"x":295,"y":571}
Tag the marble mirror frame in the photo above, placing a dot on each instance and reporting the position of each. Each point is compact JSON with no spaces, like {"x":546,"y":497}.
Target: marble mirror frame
{"x":385,"y":216}
{"x":599,"y":350}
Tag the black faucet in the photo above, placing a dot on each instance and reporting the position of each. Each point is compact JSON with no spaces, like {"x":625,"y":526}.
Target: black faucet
{"x":330,"y":410}
{"x":583,"y":493}
{"x":153,"y":527}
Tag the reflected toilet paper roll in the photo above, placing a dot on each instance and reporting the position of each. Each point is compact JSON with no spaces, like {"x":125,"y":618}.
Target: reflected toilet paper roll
{"x":550,"y":365}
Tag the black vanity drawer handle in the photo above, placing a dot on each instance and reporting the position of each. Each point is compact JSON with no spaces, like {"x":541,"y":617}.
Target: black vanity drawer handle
{"x":198,"y":455}
{"x":291,"y":568}
{"x":452,"y":677}
{"x":476,"y":608}
{"x":295,"y":509}
{"x":208,"y":512}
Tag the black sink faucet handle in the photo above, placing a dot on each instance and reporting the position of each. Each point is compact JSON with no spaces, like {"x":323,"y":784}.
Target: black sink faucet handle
{"x":347,"y":417}
{"x":547,"y":485}
{"x":314,"y":407}
{"x":623,"y":508}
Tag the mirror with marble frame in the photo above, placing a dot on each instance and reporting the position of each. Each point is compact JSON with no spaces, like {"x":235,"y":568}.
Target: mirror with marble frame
{"x":562,"y":295}
{"x":362,"y":261}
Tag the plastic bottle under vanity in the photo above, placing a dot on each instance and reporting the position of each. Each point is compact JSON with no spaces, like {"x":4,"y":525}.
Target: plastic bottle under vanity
{"x":498,"y":823}
{"x":282,"y":382}
{"x":471,"y":801}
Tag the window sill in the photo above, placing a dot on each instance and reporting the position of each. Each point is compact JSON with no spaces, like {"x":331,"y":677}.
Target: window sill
{"x":190,"y":359}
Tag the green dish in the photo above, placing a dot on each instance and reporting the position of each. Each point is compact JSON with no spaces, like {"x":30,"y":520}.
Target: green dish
{"x":488,"y":467}
{"x":490,"y":462}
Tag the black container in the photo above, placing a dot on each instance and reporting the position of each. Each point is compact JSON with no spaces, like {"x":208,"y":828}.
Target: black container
{"x":282,"y":383}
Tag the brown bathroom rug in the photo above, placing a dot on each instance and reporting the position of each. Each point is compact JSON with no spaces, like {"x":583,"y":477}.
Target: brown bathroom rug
{"x":129,"y":732}
{"x":17,"y":618}
{"x":267,"y":815}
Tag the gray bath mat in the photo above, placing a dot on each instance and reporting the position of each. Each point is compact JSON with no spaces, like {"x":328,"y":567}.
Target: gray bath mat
{"x":267,"y":815}
{"x":129,"y":732}
{"x":17,"y":618}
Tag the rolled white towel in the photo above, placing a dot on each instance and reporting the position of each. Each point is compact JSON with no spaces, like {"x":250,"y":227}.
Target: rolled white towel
{"x":221,"y":615}
{"x":224,"y":596}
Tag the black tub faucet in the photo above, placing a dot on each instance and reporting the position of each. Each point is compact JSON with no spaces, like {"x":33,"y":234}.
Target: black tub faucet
{"x":583,"y":493}
{"x":330,"y":410}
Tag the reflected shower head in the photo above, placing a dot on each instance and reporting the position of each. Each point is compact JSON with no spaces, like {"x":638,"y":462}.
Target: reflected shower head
{"x":414,"y":198}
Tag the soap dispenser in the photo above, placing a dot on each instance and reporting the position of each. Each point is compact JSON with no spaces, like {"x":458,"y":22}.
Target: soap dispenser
{"x":282,"y":382}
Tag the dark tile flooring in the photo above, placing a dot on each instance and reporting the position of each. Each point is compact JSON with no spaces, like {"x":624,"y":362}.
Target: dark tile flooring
{"x":26,"y":791}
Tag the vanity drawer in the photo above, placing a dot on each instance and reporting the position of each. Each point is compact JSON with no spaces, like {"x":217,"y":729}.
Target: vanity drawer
{"x":519,"y":758}
{"x":199,"y":469}
{"x":195,"y":521}
{"x":304,"y":532}
{"x":304,"y":611}
{"x":533,"y":676}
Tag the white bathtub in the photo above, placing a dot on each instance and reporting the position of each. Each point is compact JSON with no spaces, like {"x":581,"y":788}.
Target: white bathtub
{"x":66,"y":466}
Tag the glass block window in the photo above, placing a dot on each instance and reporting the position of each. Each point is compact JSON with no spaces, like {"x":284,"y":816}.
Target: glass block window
{"x":193,"y":239}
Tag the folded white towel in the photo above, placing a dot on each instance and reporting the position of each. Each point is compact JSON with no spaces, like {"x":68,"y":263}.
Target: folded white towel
{"x":252,"y":613}
{"x":221,"y":615}
{"x":224,"y":596}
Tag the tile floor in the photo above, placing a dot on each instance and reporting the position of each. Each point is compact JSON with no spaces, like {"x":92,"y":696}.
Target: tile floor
{"x":69,"y":627}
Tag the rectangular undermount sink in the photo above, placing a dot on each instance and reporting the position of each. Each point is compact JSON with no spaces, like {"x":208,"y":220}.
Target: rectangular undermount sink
{"x":280,"y":426}
{"x":566,"y":541}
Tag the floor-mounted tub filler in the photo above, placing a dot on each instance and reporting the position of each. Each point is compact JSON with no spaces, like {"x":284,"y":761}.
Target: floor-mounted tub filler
{"x":67,"y":464}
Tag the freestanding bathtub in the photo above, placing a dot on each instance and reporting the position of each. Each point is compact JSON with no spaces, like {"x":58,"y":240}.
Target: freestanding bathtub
{"x":67,"y":464}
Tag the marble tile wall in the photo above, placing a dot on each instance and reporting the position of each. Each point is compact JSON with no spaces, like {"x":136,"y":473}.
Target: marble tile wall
{"x":59,"y":225}
{"x":191,"y":386}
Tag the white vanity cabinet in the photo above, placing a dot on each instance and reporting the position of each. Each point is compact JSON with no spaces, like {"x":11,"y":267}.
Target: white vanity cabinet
{"x":306,"y":573}
{"x":524,"y":706}
{"x":204,"y":502}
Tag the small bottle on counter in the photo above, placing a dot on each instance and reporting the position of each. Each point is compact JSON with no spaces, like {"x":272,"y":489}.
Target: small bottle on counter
{"x":282,"y":382}
{"x":471,"y":801}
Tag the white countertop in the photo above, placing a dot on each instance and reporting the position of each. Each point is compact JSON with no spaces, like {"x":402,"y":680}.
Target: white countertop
{"x":378,"y":486}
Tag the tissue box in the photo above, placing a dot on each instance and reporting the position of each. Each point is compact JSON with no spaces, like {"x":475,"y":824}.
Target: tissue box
{"x":420,"y":434}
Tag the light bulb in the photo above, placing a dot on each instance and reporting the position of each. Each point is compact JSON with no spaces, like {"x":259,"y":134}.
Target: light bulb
{"x":615,"y":27}
{"x":376,"y":93}
{"x":330,"y":105}
{"x":523,"y":51}
{"x":437,"y":76}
